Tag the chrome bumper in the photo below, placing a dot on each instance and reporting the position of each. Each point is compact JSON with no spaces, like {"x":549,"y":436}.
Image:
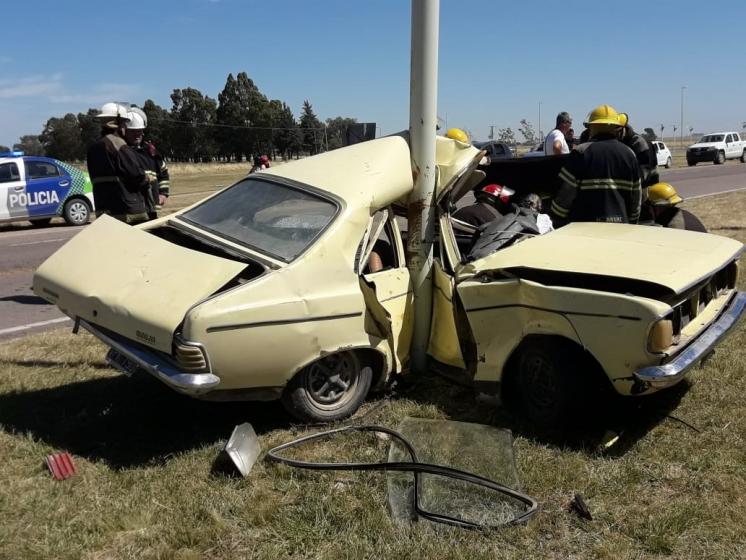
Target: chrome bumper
{"x":672,"y":372}
{"x":187,"y":383}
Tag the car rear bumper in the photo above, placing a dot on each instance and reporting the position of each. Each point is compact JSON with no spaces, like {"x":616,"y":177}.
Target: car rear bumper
{"x":154,"y":363}
{"x":671,"y":373}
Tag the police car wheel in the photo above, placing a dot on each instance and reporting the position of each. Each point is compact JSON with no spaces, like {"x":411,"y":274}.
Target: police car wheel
{"x":41,"y":222}
{"x":76,"y":212}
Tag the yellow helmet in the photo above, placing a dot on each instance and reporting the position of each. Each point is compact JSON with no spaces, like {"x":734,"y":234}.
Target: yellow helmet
{"x":603,"y":114}
{"x":458,"y":134}
{"x":663,"y":194}
{"x":623,"y":119}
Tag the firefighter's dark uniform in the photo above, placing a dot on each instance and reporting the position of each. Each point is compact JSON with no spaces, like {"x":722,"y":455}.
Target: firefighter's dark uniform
{"x":477,"y":214}
{"x":645,"y":154}
{"x":156,"y":172}
{"x":119,"y":183}
{"x":600,"y":183}
{"x":679,"y":218}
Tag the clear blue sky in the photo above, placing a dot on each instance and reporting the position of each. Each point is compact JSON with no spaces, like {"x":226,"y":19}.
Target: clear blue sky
{"x":498,"y":59}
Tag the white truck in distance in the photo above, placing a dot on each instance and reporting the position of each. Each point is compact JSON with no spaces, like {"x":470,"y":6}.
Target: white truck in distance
{"x":717,"y":147}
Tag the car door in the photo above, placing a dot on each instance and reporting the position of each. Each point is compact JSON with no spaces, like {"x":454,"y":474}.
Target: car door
{"x":46,"y":186}
{"x":384,"y":281}
{"x":12,"y":192}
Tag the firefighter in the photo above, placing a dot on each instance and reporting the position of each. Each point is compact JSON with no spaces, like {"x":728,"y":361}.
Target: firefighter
{"x":119,"y":183}
{"x":662,"y":204}
{"x":155,"y":168}
{"x":492,"y":202}
{"x":601,"y":181}
{"x":644,"y":152}
{"x":458,"y":135}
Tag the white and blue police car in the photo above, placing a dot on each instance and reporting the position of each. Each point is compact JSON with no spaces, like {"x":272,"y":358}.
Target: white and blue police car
{"x":39,"y":188}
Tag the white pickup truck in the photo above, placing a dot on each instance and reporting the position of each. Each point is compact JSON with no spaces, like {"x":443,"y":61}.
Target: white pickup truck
{"x":717,"y":147}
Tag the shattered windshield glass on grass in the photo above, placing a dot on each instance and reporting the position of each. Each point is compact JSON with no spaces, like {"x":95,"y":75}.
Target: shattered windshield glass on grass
{"x":270,"y":217}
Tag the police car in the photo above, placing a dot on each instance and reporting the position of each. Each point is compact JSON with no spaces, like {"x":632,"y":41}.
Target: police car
{"x":39,"y":188}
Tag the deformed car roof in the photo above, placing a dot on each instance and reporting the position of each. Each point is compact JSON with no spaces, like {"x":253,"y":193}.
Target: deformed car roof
{"x":376,"y":173}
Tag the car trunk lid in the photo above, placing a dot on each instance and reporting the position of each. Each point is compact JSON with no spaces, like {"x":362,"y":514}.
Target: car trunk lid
{"x":129,"y":281}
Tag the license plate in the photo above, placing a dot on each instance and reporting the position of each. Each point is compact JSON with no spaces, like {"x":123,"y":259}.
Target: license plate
{"x":121,"y":362}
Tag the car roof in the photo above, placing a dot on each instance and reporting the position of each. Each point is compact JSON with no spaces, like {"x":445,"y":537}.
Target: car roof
{"x":375,"y":173}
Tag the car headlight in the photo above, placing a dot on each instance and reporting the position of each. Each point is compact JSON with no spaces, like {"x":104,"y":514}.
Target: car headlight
{"x":661,"y":336}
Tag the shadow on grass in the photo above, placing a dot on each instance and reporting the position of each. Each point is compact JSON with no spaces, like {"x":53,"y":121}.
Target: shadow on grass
{"x":610,"y":415}
{"x":128,"y":422}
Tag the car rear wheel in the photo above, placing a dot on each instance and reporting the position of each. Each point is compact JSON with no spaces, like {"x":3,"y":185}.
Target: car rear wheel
{"x":719,"y":158}
{"x":76,"y":212}
{"x":691,"y":163}
{"x":743,"y":157}
{"x":329,"y":389}
{"x":668,"y":163}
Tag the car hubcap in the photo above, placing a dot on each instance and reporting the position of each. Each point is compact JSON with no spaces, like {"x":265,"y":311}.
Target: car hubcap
{"x":540,"y":382}
{"x":331,"y":380}
{"x":78,"y":212}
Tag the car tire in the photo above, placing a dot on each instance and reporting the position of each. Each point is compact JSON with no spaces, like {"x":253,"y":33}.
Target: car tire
{"x":668,"y":163}
{"x":719,"y":158}
{"x":41,"y":222}
{"x":547,"y":385}
{"x":743,"y":157}
{"x":691,"y":163}
{"x":329,"y":389}
{"x":76,"y":212}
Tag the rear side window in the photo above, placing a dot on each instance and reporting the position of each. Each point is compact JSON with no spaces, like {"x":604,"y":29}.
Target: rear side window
{"x":9,"y":172}
{"x":729,"y":138}
{"x":41,"y":170}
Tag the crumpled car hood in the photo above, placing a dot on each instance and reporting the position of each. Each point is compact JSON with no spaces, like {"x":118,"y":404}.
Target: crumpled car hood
{"x":671,"y":258}
{"x":129,"y":281}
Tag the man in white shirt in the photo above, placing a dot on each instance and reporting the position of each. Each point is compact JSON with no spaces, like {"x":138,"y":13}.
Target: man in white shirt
{"x":555,"y":142}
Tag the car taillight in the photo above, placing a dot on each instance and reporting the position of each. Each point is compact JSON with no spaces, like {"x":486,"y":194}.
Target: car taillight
{"x":191,"y":357}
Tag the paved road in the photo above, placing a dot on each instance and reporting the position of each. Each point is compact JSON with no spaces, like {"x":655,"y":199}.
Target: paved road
{"x":22,"y":249}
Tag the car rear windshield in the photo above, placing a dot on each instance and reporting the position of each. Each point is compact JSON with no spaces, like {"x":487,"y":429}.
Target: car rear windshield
{"x":273,"y":218}
{"x":712,"y":138}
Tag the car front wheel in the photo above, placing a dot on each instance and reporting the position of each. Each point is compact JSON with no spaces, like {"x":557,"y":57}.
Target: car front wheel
{"x":329,"y":389}
{"x":719,"y":158}
{"x":76,"y":212}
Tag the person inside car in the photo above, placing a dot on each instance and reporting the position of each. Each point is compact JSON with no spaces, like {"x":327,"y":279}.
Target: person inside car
{"x":492,"y":202}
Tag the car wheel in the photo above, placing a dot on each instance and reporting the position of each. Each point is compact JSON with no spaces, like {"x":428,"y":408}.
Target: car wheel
{"x":41,"y":222}
{"x":76,"y":212}
{"x":743,"y":157}
{"x":548,"y":389}
{"x":691,"y":163}
{"x":329,"y":389}
{"x":668,"y":163}
{"x":719,"y":158}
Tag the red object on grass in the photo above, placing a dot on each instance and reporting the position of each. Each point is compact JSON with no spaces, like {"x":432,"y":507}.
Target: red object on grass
{"x":61,"y":465}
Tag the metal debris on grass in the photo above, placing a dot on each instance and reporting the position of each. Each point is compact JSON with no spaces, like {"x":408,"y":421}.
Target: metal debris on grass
{"x":60,"y":465}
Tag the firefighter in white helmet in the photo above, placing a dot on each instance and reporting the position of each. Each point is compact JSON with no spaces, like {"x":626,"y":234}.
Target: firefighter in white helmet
{"x":151,"y":161}
{"x":118,"y":177}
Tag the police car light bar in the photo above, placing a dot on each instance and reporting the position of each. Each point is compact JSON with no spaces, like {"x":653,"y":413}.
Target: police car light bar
{"x":16,"y":153}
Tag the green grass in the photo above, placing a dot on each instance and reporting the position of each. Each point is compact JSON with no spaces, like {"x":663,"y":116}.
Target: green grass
{"x":144,"y":487}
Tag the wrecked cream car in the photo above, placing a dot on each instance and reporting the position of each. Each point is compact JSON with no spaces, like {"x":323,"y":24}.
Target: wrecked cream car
{"x":292,"y":284}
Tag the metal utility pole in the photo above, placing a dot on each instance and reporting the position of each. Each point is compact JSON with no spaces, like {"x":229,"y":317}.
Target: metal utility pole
{"x":682,"y":115}
{"x":423,"y":100}
{"x":539,"y":124}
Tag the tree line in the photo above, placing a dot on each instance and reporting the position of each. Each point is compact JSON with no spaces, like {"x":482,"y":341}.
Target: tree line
{"x":240,"y":124}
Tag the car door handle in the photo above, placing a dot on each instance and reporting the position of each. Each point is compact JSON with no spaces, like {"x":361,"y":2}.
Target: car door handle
{"x":18,"y":188}
{"x":64,"y":183}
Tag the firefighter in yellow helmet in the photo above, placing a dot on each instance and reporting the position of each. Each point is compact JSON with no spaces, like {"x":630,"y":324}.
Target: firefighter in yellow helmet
{"x":601,"y":181}
{"x":662,"y":209}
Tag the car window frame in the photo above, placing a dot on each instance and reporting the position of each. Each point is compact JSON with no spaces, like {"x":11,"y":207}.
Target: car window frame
{"x":30,"y":177}
{"x":12,"y":179}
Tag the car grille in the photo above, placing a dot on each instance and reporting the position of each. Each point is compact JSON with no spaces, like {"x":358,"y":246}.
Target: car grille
{"x":190,"y":357}
{"x":687,"y":310}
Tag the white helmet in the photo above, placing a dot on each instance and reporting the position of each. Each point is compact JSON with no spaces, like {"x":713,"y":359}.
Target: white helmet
{"x":136,"y":121}
{"x":113,"y":110}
